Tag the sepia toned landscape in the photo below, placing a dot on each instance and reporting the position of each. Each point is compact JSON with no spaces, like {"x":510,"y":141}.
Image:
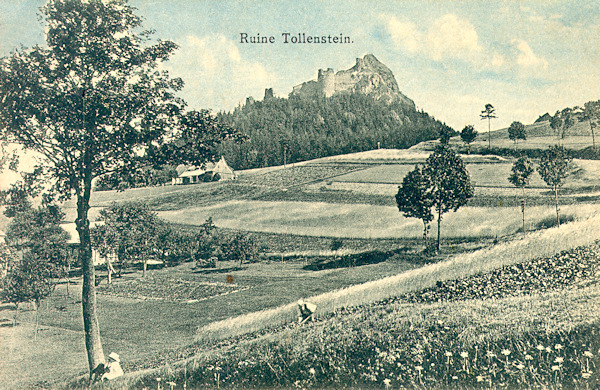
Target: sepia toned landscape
{"x":332,"y":235}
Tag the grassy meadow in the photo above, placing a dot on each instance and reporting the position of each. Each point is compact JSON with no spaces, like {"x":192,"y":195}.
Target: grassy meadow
{"x":378,"y":325}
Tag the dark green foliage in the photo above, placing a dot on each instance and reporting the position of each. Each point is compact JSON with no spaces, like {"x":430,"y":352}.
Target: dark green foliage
{"x":414,"y":197}
{"x":242,"y":247}
{"x":591,"y":112}
{"x":93,"y":101}
{"x":554,"y":165}
{"x":450,"y":182}
{"x":488,"y":113}
{"x":516,"y":131}
{"x":562,"y":121}
{"x":468,"y":134}
{"x":554,"y":169}
{"x":336,"y":243}
{"x":130,"y":231}
{"x":144,"y":177}
{"x":302,"y":128}
{"x":521,"y":171}
{"x":206,"y":246}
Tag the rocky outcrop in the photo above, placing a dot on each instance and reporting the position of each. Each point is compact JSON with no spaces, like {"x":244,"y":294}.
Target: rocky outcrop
{"x":368,"y":76}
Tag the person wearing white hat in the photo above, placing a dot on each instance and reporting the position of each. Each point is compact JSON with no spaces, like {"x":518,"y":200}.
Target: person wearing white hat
{"x":305,"y":311}
{"x":113,"y":367}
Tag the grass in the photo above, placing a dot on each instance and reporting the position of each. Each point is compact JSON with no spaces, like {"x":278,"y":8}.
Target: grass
{"x":545,"y":340}
{"x":364,"y":221}
{"x":533,"y":245}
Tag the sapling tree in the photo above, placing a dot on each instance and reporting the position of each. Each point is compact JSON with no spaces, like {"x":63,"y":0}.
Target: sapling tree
{"x":450,"y":182}
{"x":415,"y":198}
{"x":516,"y":131}
{"x":129,"y":231}
{"x":468,"y":135}
{"x":553,"y":167}
{"x":520,"y":176}
{"x":489,"y":113}
{"x":94,"y":101}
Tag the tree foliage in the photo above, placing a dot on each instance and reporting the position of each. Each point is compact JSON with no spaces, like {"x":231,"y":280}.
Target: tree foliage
{"x":516,"y":131}
{"x":468,"y":134}
{"x":415,"y":198}
{"x":129,"y":231}
{"x":519,"y":177}
{"x":94,"y":101}
{"x":489,"y":113}
{"x":562,"y":121}
{"x":521,"y":172}
{"x":301,"y":128}
{"x":554,"y":168}
{"x":450,"y":182}
{"x":591,"y":112}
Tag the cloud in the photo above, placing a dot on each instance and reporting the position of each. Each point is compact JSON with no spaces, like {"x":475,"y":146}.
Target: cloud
{"x":215,"y":73}
{"x":526,"y":58}
{"x":448,"y":37}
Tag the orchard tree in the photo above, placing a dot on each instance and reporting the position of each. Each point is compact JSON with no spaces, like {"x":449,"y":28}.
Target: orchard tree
{"x":516,"y":131}
{"x":591,"y":112}
{"x":129,"y":231}
{"x":521,"y":172}
{"x":450,"y":182}
{"x":468,"y":135}
{"x":93,"y":101}
{"x":554,"y":169}
{"x":415,"y":198}
{"x":489,"y":113}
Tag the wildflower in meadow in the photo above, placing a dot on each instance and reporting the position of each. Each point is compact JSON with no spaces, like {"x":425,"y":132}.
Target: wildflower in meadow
{"x":586,"y":375}
{"x":490,"y":354}
{"x":448,"y":354}
{"x":479,"y":378}
{"x":505,"y":352}
{"x":540,"y":347}
{"x":528,"y":357}
{"x":555,"y":368}
{"x":455,"y":377}
{"x":559,"y":360}
{"x":520,"y":366}
{"x":312,"y":371}
{"x":387,"y":382}
{"x":419,"y":368}
{"x":464,"y":355}
{"x":588,"y":354}
{"x":548,"y":349}
{"x":558,"y":347}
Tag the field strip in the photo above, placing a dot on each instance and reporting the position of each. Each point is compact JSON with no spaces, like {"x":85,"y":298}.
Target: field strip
{"x":533,"y":245}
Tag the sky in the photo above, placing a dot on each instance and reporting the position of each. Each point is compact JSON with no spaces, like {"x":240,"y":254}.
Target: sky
{"x":450,"y":57}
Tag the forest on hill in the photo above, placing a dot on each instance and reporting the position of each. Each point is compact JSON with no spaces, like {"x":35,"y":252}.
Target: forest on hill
{"x":302,"y":128}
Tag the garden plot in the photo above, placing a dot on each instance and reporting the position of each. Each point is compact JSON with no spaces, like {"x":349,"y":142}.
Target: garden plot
{"x":164,"y":287}
{"x":364,"y":221}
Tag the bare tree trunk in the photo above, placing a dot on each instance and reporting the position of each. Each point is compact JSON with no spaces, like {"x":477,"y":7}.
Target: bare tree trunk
{"x":523,"y":209}
{"x":556,"y":203}
{"x":145,"y":265}
{"x":439,"y":227}
{"x":93,"y":344}
{"x":37,"y":318}
{"x":16,"y":313}
{"x":68,"y":275}
{"x":109,"y":270}
{"x":489,"y":136}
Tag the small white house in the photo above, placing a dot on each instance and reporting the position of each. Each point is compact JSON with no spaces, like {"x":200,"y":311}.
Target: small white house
{"x":207,"y":172}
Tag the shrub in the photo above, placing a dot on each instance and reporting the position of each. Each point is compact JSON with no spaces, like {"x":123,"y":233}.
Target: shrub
{"x":242,"y":247}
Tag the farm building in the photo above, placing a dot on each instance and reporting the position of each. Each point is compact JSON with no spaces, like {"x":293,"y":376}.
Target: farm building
{"x":209,"y":172}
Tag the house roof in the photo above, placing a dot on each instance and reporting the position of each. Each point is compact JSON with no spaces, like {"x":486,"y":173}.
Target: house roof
{"x":195,"y":172}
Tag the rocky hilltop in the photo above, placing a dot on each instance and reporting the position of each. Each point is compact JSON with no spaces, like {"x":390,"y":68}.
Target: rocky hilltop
{"x":368,"y":76}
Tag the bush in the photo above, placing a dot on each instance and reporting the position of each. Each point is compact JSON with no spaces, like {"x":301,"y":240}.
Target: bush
{"x":242,"y":247}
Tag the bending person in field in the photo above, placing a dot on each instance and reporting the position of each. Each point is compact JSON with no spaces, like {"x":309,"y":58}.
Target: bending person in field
{"x":306,"y":311}
{"x":113,"y":368}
